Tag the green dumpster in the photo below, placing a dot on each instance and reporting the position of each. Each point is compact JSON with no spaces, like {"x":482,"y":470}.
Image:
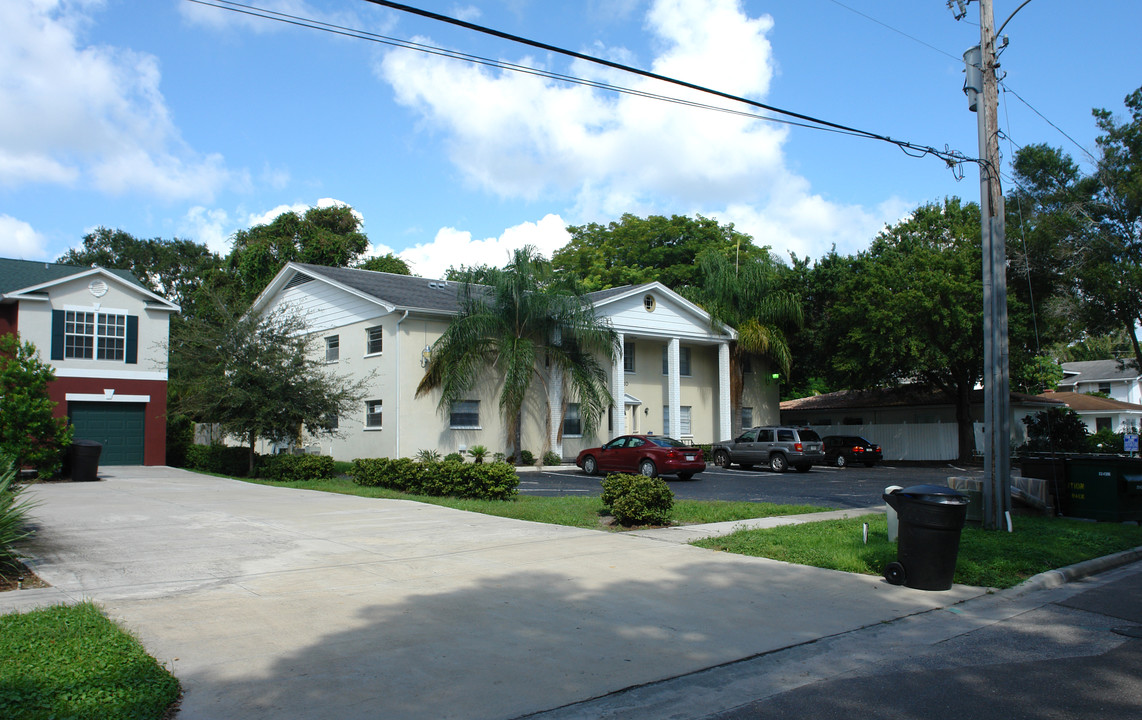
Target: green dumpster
{"x":1107,"y":488}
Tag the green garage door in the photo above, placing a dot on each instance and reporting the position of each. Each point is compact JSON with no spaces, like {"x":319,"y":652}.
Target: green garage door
{"x":119,"y":426}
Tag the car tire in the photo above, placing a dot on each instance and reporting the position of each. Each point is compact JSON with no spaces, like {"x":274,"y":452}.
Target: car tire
{"x":647,"y":468}
{"x":840,"y":460}
{"x":804,"y":468}
{"x":590,"y":465}
{"x":722,"y":459}
{"x":778,"y":463}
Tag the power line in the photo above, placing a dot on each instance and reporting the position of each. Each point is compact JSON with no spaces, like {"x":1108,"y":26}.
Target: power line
{"x":950,"y":157}
{"x":1007,"y":88}
{"x":895,"y":30}
{"x":947,"y":156}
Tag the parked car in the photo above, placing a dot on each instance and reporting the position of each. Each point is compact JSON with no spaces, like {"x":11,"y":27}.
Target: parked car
{"x":842,"y":450}
{"x":777,"y":447}
{"x":650,"y":455}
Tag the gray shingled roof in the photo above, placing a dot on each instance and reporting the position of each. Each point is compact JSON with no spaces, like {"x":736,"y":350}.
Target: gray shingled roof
{"x":404,"y":291}
{"x":19,"y":274}
{"x":1095,"y":370}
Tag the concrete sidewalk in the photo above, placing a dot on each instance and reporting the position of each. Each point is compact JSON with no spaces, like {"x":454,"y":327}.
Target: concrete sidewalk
{"x":269,"y":602}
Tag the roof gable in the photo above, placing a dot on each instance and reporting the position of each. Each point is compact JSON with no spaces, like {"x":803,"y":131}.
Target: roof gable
{"x":25,"y":279}
{"x":1096,"y":370}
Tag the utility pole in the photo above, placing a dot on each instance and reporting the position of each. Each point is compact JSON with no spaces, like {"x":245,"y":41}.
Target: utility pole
{"x":996,"y":380}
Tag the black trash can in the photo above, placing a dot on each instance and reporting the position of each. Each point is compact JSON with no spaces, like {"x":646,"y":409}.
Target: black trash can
{"x":931,"y":519}
{"x":85,"y":460}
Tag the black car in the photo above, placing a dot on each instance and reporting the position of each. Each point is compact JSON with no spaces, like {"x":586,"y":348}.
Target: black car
{"x":842,"y":450}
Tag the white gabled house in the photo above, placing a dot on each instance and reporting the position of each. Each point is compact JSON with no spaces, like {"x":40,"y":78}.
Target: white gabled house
{"x":1117,"y":379}
{"x":672,"y":376}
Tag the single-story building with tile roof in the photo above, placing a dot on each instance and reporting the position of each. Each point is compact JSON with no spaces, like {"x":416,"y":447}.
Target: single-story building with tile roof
{"x":105,"y":335}
{"x":672,"y":376}
{"x":1117,"y":379}
{"x":1101,"y":413}
{"x":908,"y":422}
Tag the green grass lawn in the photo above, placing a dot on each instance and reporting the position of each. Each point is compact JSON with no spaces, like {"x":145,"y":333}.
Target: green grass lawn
{"x":986,"y":558}
{"x":72,"y":662}
{"x":575,"y":511}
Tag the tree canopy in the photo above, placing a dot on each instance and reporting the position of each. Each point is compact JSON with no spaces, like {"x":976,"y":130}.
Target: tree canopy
{"x":388,"y":263}
{"x":637,"y":250}
{"x":257,"y":375}
{"x":29,"y":433}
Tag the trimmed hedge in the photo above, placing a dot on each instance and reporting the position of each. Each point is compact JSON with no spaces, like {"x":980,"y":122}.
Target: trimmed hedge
{"x":221,"y":459}
{"x":480,"y":481}
{"x":289,"y":468}
{"x":637,"y":499}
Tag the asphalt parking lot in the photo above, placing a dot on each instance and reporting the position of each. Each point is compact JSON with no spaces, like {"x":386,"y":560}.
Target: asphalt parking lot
{"x":823,"y":486}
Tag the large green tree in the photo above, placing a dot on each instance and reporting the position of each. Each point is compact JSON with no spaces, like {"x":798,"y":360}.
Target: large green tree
{"x":322,"y":236}
{"x":259,"y":376}
{"x":637,"y":250}
{"x":174,"y":268}
{"x":29,"y":433}
{"x":521,"y":318}
{"x":388,"y":263}
{"x":912,"y":309}
{"x":747,"y":297}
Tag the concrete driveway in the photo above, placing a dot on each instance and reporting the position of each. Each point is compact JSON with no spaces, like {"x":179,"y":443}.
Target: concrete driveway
{"x":270,"y":602}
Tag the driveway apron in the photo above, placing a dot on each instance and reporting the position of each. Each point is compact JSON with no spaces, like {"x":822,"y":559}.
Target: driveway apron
{"x":271,"y":602}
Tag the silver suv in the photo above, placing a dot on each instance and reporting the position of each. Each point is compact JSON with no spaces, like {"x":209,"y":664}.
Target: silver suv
{"x":776,"y":446}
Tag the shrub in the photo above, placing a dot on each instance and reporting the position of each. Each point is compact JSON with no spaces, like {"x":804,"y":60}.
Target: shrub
{"x":478,"y":453}
{"x":494,"y":481}
{"x":1055,"y":430}
{"x":550,"y":458}
{"x":291,"y":468}
{"x":29,"y":431}
{"x":637,"y":499}
{"x":427,"y":456}
{"x":1105,"y":441}
{"x":453,"y":457}
{"x":221,"y":459}
{"x":13,"y":512}
{"x":499,"y":457}
{"x":526,"y":457}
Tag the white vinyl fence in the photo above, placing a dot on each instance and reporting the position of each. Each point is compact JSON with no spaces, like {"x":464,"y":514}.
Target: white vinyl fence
{"x":911,"y":441}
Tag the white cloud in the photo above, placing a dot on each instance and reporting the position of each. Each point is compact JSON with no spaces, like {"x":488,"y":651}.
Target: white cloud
{"x":520,"y":136}
{"x":208,"y":227}
{"x":452,"y":247}
{"x":90,"y":115}
{"x":21,"y":241}
{"x":467,"y":13}
{"x":269,"y":216}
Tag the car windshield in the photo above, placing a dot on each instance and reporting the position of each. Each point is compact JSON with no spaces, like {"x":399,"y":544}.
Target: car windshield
{"x":808,"y":435}
{"x":667,"y":442}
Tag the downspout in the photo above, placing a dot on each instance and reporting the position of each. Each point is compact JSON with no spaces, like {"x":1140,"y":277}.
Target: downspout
{"x":398,"y":385}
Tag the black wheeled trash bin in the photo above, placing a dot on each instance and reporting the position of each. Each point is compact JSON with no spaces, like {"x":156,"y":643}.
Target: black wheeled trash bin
{"x":931,"y":518}
{"x":85,"y":460}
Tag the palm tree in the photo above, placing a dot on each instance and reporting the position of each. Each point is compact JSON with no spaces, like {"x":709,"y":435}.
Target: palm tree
{"x":747,"y":299}
{"x":518,"y":317}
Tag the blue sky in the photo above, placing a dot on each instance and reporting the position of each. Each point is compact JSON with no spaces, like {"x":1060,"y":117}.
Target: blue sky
{"x":167,"y":118}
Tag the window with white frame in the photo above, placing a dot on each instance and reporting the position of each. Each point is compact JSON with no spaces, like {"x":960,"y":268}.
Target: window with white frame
{"x":572,"y":422}
{"x":79,"y":335}
{"x":683,"y":361}
{"x":628,"y":357}
{"x":465,"y":414}
{"x":373,"y":413}
{"x":110,"y":336}
{"x":374,"y":340}
{"x":747,"y":417}
{"x":684,"y":418}
{"x":332,"y":348}
{"x":94,"y":334}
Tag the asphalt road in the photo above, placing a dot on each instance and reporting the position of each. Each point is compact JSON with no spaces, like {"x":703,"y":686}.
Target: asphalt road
{"x":822,"y":486}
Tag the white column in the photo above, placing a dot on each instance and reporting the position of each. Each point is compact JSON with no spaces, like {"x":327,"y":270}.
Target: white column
{"x":673,"y":390}
{"x":618,"y":391}
{"x":555,"y":409}
{"x":725,"y":406}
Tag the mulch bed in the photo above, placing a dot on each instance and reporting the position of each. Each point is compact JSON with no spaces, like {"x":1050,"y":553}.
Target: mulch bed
{"x":16,"y":575}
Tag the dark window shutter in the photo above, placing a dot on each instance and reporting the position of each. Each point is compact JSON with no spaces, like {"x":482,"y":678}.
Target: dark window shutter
{"x":58,"y":319}
{"x":132,"y":340}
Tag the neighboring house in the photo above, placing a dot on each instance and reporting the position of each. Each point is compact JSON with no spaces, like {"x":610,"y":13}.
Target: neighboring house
{"x":672,"y":376}
{"x":105,"y":336}
{"x":1117,"y":379}
{"x":908,"y":423}
{"x":1101,"y":413}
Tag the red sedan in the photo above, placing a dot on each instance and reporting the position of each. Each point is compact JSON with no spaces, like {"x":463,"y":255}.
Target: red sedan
{"x":650,"y":455}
